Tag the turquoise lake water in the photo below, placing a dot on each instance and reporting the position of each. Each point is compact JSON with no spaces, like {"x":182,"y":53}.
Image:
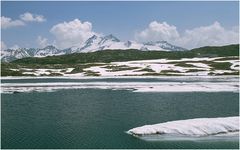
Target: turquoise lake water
{"x":99,"y":118}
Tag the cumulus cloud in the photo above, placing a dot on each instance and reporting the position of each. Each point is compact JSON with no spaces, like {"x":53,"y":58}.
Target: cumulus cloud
{"x":8,"y":22}
{"x":72,"y":33}
{"x":3,"y":46}
{"x":42,"y":42}
{"x":29,"y":17}
{"x":212,"y":35}
{"x":158,"y":31}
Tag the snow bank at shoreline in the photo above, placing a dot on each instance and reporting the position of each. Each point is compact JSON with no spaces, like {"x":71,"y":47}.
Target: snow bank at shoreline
{"x":119,"y":77}
{"x":227,"y":86}
{"x":199,"y":127}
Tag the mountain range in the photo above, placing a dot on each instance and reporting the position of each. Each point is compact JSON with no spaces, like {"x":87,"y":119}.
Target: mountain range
{"x":94,"y":43}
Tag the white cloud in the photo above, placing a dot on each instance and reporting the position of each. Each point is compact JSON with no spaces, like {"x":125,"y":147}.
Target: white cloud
{"x":29,"y":17}
{"x":8,"y":22}
{"x":3,"y":46}
{"x":42,"y":42}
{"x":157,"y":31}
{"x":212,"y":35}
{"x":14,"y":47}
{"x":72,"y":33}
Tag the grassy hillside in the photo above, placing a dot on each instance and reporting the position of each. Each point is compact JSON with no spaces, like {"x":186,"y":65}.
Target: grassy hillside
{"x":126,"y":55}
{"x":81,"y":61}
{"x":211,"y":51}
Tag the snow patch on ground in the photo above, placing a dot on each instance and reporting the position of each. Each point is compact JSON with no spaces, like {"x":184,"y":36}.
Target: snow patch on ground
{"x":145,"y":67}
{"x":222,"y":71}
{"x":107,"y":72}
{"x":235,"y":63}
{"x":40,"y":72}
{"x":200,"y":65}
{"x":160,"y":67}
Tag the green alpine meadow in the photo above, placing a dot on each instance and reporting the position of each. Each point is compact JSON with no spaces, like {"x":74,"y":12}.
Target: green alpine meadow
{"x":218,"y":58}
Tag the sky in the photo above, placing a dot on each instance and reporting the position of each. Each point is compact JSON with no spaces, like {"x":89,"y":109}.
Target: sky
{"x":64,"y":24}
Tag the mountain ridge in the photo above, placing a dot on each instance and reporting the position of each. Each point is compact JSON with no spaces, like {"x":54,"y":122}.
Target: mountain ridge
{"x":227,"y":64}
{"x":133,"y":54}
{"x":92,"y":44}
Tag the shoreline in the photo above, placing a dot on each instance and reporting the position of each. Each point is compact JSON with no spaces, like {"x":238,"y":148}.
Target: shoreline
{"x":107,"y":77}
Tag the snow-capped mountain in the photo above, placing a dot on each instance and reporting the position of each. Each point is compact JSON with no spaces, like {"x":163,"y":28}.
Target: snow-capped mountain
{"x":94,"y":43}
{"x":48,"y":51}
{"x":164,"y":45}
{"x":13,"y":54}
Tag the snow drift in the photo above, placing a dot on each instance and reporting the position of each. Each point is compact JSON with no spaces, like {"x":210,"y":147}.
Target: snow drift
{"x":200,"y":127}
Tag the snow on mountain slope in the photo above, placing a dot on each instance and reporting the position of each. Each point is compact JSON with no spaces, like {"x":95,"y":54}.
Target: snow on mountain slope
{"x":94,"y":43}
{"x":12,"y":54}
{"x":48,"y":51}
{"x":164,"y":45}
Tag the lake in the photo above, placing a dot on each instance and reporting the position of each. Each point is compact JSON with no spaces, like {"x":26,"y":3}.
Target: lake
{"x":97,"y":112}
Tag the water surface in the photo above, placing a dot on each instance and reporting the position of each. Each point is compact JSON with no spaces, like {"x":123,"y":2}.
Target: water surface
{"x":99,"y":118}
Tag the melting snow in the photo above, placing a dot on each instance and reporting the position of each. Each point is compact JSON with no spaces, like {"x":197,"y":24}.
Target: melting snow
{"x":192,"y":127}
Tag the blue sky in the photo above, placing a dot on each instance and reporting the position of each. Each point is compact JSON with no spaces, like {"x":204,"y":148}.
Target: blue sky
{"x":125,"y":20}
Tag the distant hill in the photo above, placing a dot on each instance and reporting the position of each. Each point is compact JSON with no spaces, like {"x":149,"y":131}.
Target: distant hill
{"x":132,"y":54}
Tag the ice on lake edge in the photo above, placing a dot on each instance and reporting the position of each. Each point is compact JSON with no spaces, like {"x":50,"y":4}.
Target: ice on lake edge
{"x":191,"y":129}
